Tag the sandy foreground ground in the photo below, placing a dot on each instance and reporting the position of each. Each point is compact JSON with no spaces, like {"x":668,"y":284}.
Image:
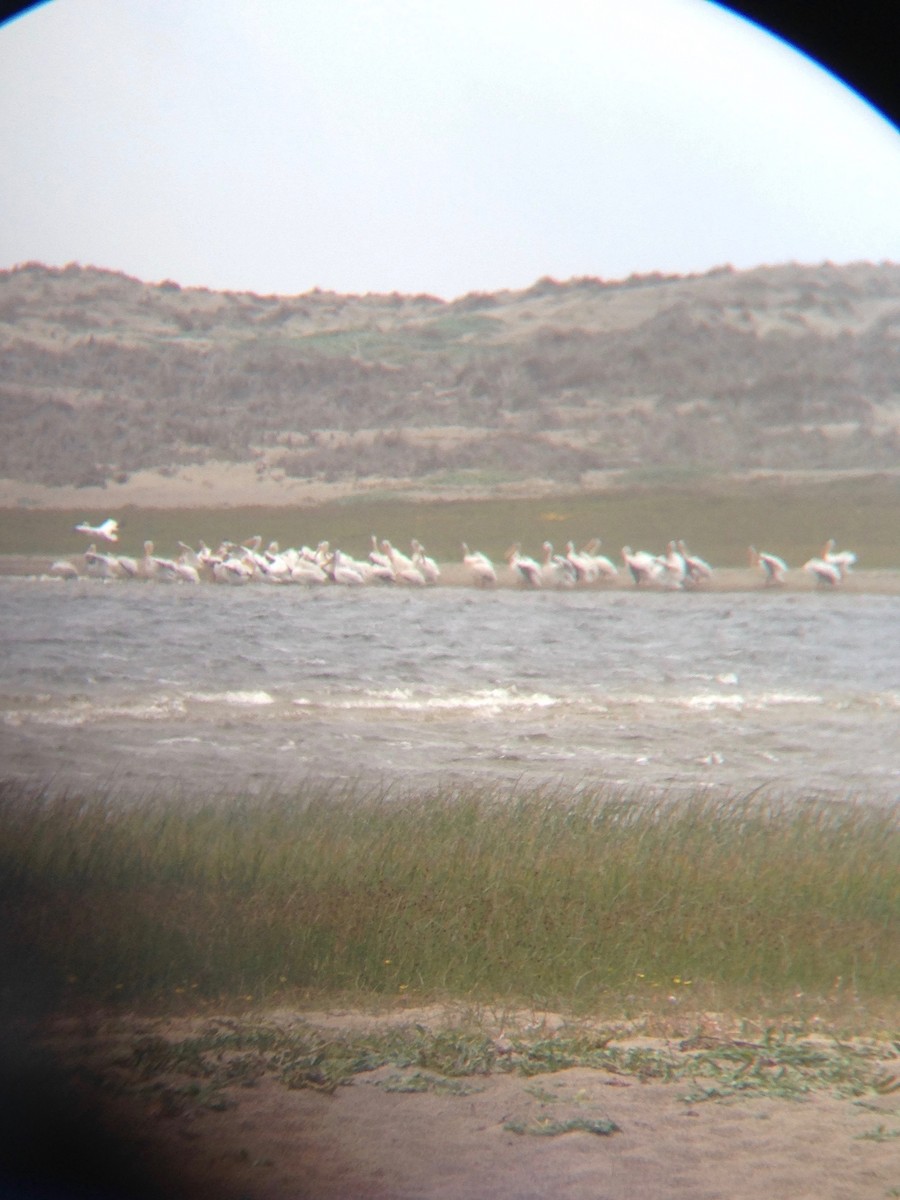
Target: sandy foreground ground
{"x":371,"y":1141}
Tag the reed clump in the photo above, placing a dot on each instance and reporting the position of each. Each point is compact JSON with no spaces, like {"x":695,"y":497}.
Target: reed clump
{"x":533,"y":895}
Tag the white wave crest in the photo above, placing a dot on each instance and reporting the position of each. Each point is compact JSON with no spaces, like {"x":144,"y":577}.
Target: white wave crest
{"x":487,"y":701}
{"x":247,"y":698}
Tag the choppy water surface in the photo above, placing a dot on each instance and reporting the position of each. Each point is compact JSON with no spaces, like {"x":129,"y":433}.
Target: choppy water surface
{"x":143,"y":688}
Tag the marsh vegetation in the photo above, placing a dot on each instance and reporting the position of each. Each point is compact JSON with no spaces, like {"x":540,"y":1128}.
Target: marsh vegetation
{"x":527,"y":896}
{"x":719,"y":518}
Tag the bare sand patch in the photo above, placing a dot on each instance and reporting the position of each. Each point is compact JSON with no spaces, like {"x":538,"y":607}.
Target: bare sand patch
{"x":241,"y":485}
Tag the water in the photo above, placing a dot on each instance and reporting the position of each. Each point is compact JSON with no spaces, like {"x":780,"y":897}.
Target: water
{"x":142,"y":688}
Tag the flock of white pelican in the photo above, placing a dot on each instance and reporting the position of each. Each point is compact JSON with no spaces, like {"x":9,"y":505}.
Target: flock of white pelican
{"x":828,"y":568}
{"x":242,"y":563}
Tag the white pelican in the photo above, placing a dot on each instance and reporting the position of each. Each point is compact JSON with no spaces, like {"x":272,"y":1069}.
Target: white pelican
{"x":481,"y":567}
{"x":582,"y":564}
{"x":63,"y":569}
{"x":426,"y":565}
{"x":186,"y":570}
{"x":405,"y":570}
{"x":675,"y":567}
{"x":129,"y":567}
{"x":154,"y":567}
{"x":107,"y":531}
{"x":526,"y":568}
{"x":775,"y":568}
{"x":644,"y":566}
{"x":371,"y":572}
{"x":394,"y":556}
{"x":411,"y":574}
{"x":99,"y":565}
{"x":307,"y":572}
{"x":342,"y":570}
{"x":556,"y":569}
{"x":824,"y":572}
{"x":272,"y":565}
{"x":697,"y":568}
{"x":231,"y":569}
{"x":251,"y":555}
{"x":380,"y":559}
{"x":201,"y":559}
{"x":844,"y":559}
{"x":277,"y":570}
{"x":603,"y":565}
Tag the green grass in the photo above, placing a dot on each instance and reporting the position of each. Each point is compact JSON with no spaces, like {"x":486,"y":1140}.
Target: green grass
{"x":717,"y":518}
{"x":602,"y":902}
{"x":547,"y":1127}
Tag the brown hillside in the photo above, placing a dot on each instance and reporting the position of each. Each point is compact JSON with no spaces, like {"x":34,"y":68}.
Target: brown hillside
{"x":786,"y":367}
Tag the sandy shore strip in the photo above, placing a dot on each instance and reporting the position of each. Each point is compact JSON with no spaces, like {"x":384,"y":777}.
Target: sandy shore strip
{"x":238,"y":485}
{"x":401,"y":1132}
{"x":455,"y":574}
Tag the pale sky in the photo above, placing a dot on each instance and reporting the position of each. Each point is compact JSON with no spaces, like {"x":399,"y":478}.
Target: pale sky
{"x":427,"y":146}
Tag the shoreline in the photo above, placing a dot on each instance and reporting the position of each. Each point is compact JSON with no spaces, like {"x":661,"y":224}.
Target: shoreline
{"x":725,"y":580}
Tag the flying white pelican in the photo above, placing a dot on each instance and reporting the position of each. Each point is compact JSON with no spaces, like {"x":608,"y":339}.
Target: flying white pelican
{"x":644,"y":566}
{"x":481,"y":567}
{"x":775,"y":568}
{"x":844,"y":559}
{"x":526,"y":568}
{"x":107,"y":530}
{"x":825,"y":572}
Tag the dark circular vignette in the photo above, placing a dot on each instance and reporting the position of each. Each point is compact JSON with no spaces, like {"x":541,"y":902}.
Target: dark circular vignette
{"x":855,"y":42}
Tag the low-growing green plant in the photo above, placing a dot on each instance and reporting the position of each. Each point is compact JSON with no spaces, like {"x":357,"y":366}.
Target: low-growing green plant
{"x":203,"y":1070}
{"x":420,"y":1081}
{"x":879,"y":1134}
{"x":547,"y":1127}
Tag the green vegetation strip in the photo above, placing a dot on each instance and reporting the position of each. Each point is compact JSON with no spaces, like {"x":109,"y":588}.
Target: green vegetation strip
{"x":719,"y":518}
{"x":603,"y":901}
{"x":201,"y":1070}
{"x":547,"y":1127}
